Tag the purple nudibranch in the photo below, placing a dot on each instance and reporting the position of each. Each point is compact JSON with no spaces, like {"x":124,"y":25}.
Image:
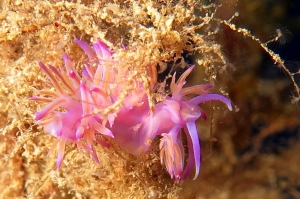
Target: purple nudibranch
{"x":70,"y":114}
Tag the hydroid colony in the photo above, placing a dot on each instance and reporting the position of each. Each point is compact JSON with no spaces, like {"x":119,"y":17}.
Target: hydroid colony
{"x":116,"y":92}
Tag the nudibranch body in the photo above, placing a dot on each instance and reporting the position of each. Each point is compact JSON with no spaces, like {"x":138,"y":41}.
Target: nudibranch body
{"x":73,"y":111}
